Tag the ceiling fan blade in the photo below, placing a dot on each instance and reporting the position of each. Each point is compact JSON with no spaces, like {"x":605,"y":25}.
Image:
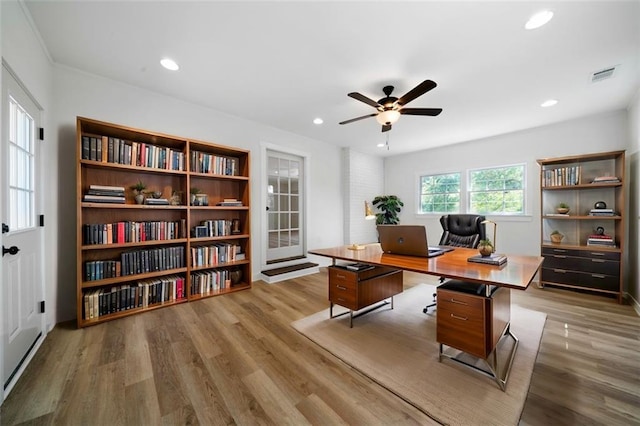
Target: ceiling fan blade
{"x":386,"y":127}
{"x":359,"y":118}
{"x":419,"y":90}
{"x":421,"y":111}
{"x":363,"y":98}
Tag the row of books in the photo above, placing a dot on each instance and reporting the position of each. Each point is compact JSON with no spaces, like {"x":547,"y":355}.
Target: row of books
{"x":136,"y":262}
{"x":132,"y":232}
{"x":561,"y":176}
{"x":214,"y":254}
{"x":206,"y":282}
{"x":104,"y":194}
{"x":105,"y":301}
{"x":202,"y":162}
{"x":213,"y":228}
{"x":114,"y":150}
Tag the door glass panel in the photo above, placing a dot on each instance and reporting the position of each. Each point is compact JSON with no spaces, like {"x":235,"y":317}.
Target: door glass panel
{"x":21,"y":152}
{"x":295,"y":238}
{"x":294,"y":186}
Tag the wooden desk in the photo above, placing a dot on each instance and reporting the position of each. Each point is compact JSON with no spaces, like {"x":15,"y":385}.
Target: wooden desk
{"x":517,"y":273}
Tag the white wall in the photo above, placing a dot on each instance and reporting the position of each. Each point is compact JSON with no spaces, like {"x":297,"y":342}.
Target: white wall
{"x":23,"y":53}
{"x":363,"y":180}
{"x":606,"y":132}
{"x":633,"y":163}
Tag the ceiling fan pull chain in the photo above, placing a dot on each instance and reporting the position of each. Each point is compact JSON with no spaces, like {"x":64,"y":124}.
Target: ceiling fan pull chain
{"x":387,"y":141}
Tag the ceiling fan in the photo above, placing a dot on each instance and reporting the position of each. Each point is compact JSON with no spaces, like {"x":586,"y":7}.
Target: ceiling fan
{"x":390,"y":108}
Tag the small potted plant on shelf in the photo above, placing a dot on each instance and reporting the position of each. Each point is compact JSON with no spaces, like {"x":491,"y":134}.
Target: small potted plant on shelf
{"x":556,"y":237}
{"x":563,"y":208}
{"x":193,"y":191}
{"x":485,"y":247}
{"x":138,"y":189}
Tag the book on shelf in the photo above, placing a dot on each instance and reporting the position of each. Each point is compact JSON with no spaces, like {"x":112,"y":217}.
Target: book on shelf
{"x":605,"y":179}
{"x":492,"y":259}
{"x":599,"y":242}
{"x":359,"y":267}
{"x":156,"y":201}
{"x":103,"y":199}
{"x":229,"y":203}
{"x":107,"y":188}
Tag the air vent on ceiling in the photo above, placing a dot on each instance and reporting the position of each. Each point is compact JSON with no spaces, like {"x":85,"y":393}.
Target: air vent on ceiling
{"x":602,"y":74}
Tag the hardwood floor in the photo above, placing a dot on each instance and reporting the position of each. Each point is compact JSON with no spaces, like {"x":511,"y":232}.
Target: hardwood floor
{"x":236,"y":360}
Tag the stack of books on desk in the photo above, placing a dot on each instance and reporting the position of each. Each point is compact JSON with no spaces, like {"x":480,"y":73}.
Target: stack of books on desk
{"x":492,"y":259}
{"x":601,"y":240}
{"x":105,"y":194}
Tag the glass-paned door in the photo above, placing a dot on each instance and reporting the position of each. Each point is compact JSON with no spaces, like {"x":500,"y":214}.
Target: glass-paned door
{"x":284,"y":206}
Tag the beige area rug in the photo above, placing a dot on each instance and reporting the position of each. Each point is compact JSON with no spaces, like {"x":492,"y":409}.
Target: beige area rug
{"x":398,"y":349}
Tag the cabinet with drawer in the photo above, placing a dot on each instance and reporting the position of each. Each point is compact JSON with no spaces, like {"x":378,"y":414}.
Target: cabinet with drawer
{"x":583,"y":204}
{"x":356,"y":290}
{"x":471,"y":322}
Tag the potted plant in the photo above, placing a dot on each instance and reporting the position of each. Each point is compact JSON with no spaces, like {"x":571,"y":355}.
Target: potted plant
{"x":390,"y":206}
{"x":556,"y":236}
{"x":194,"y":191}
{"x":485,"y":247}
{"x":563,"y":208}
{"x":138,"y":189}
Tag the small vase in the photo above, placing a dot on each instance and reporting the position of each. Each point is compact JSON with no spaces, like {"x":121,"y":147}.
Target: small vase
{"x":485,"y":250}
{"x":139,"y":198}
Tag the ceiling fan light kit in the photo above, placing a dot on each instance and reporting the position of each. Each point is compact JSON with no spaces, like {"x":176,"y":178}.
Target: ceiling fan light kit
{"x":390,"y":108}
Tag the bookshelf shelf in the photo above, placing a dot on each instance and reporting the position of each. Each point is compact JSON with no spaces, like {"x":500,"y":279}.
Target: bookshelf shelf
{"x":591,"y":253}
{"x":155,"y":242}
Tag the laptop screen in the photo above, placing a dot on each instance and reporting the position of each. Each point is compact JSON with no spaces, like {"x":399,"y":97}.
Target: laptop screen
{"x":410,"y":240}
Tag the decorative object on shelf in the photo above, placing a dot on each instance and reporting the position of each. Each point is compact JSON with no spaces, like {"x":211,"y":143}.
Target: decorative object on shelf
{"x":236,"y":276}
{"x":235,"y":226}
{"x":193,"y":192}
{"x":556,"y":237}
{"x":138,"y":189}
{"x":390,"y":206}
{"x":201,"y":200}
{"x":485,"y":247}
{"x":599,"y":205}
{"x":176,"y":198}
{"x":563,"y":208}
{"x":156,"y":194}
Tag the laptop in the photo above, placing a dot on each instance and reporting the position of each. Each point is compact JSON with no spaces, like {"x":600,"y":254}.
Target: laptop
{"x":409,"y":240}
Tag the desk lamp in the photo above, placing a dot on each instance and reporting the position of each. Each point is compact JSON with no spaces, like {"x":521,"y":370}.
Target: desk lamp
{"x":368,"y":215}
{"x":495,"y":226}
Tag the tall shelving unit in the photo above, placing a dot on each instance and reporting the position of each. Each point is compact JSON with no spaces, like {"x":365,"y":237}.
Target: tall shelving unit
{"x":580,"y":182}
{"x":132,"y":258}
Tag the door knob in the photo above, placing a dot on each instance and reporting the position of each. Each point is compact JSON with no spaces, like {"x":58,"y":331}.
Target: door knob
{"x":11,"y":250}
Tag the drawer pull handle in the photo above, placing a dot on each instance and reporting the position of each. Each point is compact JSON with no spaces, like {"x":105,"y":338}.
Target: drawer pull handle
{"x":459,"y":302}
{"x":598,"y":276}
{"x":340,"y":299}
{"x":340,"y":276}
{"x":559,"y":251}
{"x":559,"y":257}
{"x":560,"y":271}
{"x":595,"y":253}
{"x":457,"y":317}
{"x":341,"y":287}
{"x":598,"y":260}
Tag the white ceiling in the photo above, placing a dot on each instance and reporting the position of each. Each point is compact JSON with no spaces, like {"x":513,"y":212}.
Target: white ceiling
{"x":285,"y":63}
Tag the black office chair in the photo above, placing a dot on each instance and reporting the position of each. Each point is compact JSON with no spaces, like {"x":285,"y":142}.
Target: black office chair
{"x":460,"y":230}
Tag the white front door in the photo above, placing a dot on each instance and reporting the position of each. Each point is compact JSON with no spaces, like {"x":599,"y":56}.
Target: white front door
{"x":285,"y":230}
{"x":23,"y":324}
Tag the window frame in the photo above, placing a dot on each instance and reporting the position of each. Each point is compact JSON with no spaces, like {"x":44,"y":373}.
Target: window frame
{"x":461,"y":193}
{"x":500,"y":213}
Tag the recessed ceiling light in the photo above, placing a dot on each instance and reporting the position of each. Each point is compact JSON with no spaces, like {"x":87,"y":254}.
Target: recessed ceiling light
{"x":548,"y":103}
{"x":169,"y":64}
{"x":318,"y":120}
{"x":381,"y":145}
{"x":539,"y":19}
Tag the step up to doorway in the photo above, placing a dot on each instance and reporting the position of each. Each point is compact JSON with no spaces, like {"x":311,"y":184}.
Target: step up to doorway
{"x":288,"y":272}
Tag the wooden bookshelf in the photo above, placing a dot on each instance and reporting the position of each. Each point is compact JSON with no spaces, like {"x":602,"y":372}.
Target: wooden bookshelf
{"x":577,"y":262}
{"x":132,"y":258}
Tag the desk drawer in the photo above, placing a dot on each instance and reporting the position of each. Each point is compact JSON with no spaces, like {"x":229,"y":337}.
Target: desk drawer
{"x":581,"y":279}
{"x":464,"y":332}
{"x":583,"y":264}
{"x":343,"y":287}
{"x":466,"y":304}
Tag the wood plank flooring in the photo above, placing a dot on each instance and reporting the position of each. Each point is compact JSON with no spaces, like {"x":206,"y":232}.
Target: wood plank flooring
{"x":235,"y":360}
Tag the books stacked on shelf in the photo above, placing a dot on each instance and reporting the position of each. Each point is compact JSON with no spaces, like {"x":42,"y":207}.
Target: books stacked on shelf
{"x":105,"y":301}
{"x":205,"y":282}
{"x":202,"y":162}
{"x":156,"y":201}
{"x":213,"y":228}
{"x":562,"y":176}
{"x":606,"y":179}
{"x":602,"y":240}
{"x":358,"y":267}
{"x":114,"y":150}
{"x":602,"y":212}
{"x":492,"y":259}
{"x":213,"y":255}
{"x":105,"y":194}
{"x":132,"y":232}
{"x":229,"y":202}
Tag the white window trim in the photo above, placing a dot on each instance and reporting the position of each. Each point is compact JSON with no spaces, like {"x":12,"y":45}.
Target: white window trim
{"x":501,"y":215}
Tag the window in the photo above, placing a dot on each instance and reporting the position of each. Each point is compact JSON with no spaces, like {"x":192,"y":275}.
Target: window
{"x":440,"y":193}
{"x":21,"y":170}
{"x":498,"y":190}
